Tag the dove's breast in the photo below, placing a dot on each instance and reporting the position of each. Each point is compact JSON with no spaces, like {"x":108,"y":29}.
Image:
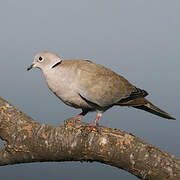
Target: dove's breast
{"x":63,"y":83}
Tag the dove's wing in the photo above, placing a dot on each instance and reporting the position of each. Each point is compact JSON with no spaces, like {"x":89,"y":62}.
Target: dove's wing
{"x":102,"y":86}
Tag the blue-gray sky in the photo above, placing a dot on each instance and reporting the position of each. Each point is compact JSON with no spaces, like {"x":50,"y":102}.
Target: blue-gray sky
{"x":138,"y":39}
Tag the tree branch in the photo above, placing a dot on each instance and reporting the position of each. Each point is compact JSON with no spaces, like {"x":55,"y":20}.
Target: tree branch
{"x":28,"y":141}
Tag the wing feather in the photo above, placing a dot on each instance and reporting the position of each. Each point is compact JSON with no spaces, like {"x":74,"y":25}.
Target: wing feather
{"x":102,"y":86}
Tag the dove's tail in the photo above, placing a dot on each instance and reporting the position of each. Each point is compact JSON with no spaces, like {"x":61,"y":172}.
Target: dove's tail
{"x":149,"y":107}
{"x":144,"y":104}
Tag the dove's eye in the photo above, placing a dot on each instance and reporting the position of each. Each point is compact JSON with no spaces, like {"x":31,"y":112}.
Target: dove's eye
{"x":40,"y":58}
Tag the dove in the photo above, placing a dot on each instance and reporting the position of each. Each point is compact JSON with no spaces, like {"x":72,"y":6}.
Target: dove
{"x":88,"y":86}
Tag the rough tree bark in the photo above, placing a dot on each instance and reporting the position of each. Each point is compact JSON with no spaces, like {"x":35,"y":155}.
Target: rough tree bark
{"x":28,"y":141}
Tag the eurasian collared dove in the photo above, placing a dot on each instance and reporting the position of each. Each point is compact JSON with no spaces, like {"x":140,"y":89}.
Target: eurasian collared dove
{"x":91,"y":87}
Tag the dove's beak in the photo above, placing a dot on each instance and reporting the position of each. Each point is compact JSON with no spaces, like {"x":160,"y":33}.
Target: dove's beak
{"x":30,"y":67}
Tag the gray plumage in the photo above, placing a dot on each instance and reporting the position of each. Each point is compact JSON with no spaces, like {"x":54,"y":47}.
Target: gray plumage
{"x":91,"y":87}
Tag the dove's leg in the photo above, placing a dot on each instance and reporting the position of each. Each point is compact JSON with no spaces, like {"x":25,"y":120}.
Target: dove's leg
{"x":98,"y":116}
{"x":82,"y":114}
{"x":79,"y":116}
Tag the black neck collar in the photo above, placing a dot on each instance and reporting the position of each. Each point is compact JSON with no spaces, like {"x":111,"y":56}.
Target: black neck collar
{"x":56,"y":64}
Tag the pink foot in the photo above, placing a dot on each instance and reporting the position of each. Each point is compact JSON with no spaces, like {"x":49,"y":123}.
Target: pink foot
{"x":79,"y":116}
{"x":95,"y":124}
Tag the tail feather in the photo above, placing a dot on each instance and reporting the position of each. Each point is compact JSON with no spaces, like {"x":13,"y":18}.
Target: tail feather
{"x":149,"y":107}
{"x":144,"y":104}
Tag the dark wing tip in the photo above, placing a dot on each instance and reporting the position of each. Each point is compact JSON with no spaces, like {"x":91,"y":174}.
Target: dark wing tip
{"x":141,"y":92}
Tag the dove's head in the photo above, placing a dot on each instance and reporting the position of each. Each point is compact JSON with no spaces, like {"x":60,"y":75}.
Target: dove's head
{"x":45,"y":60}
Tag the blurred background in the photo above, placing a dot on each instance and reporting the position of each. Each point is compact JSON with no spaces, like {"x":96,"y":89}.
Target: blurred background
{"x":138,"y":39}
